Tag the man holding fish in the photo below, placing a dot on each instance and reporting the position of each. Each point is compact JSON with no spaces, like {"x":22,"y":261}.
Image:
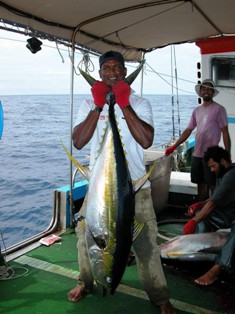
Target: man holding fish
{"x":135,"y":125}
{"x":218,"y":212}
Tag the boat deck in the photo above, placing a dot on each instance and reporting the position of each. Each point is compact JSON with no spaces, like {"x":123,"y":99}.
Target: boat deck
{"x":43,"y":276}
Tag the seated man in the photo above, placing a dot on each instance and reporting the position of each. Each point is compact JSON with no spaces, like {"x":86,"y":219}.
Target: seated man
{"x":218,"y":212}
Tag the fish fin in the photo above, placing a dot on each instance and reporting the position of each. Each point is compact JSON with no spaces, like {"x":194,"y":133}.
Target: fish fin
{"x":83,"y":224}
{"x":212,"y":249}
{"x":83,"y":170}
{"x":138,"y":226}
{"x":137,"y":184}
{"x":129,"y":80}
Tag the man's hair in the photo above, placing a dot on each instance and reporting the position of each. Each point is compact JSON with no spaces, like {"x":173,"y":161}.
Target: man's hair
{"x":216,"y":153}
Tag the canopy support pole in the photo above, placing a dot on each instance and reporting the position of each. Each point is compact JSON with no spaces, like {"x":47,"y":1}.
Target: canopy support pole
{"x":142,"y":79}
{"x":71,"y":130}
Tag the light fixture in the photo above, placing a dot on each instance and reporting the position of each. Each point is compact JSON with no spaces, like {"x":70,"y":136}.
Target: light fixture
{"x":34,"y":44}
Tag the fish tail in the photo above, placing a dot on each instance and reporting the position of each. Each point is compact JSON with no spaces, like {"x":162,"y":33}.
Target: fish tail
{"x":129,"y":80}
{"x":87,"y":77}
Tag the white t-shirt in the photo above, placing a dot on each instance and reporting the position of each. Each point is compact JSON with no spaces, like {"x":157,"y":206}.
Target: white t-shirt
{"x":134,"y":152}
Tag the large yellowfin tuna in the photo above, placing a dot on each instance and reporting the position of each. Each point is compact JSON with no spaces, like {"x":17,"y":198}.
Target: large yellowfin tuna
{"x":110,"y":224}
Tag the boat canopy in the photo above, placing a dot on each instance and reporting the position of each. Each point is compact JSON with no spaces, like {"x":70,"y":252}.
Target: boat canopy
{"x":132,"y":27}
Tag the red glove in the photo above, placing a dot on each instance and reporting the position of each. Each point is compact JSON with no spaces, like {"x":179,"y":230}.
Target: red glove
{"x":194,"y":207}
{"x":190,"y":227}
{"x":170,"y":150}
{"x":122,"y":93}
{"x":99,"y":91}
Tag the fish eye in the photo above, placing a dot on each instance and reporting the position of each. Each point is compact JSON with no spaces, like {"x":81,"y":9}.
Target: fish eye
{"x":108,"y":280}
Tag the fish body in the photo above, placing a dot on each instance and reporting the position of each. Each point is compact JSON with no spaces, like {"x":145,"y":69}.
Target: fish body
{"x":110,"y":210}
{"x":201,"y":247}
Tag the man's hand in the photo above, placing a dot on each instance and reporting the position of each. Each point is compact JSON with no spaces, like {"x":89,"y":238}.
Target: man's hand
{"x":192,"y":209}
{"x":99,"y":91}
{"x":190,"y":227}
{"x":170,"y":150}
{"x":122,"y":91}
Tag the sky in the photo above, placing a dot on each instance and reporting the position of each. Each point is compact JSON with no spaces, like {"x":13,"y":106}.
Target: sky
{"x":49,"y":70}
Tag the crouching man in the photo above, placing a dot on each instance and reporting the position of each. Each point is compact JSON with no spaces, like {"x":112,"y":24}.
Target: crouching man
{"x":218,"y":212}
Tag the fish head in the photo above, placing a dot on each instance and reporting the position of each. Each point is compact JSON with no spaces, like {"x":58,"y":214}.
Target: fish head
{"x":101,"y":260}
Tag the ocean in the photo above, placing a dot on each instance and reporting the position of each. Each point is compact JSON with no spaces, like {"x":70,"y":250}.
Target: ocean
{"x":33,"y":162}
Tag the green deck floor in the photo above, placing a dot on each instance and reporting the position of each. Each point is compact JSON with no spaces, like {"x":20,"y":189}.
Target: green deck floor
{"x":44,"y":291}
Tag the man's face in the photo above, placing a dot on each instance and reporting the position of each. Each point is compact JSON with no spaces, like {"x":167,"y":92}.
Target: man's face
{"x":111,"y":72}
{"x":216,"y":167}
{"x":207,"y":92}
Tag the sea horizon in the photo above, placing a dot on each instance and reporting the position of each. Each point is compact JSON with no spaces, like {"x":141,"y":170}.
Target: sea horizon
{"x":80,"y":94}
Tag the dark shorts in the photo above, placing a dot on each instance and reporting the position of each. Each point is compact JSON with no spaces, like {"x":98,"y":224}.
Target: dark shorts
{"x":201,"y":173}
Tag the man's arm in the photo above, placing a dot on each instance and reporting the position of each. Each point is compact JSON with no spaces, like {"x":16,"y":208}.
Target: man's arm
{"x":187,"y":132}
{"x":226,"y":138}
{"x":182,"y":139}
{"x":205,"y":211}
{"x":191,"y":225}
{"x":84,"y":131}
{"x":142,"y":132}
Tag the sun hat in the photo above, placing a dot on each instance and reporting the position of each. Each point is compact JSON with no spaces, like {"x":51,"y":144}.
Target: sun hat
{"x":111,"y":55}
{"x":206,"y":82}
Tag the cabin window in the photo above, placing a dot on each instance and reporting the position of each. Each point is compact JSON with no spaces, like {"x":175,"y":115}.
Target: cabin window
{"x":223,"y":71}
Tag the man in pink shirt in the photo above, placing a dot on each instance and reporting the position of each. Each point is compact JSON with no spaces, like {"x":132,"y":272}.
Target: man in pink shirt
{"x":211,"y":121}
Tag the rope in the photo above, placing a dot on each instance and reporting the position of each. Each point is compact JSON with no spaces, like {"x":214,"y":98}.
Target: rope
{"x":86,"y":63}
{"x":8,"y":272}
{"x":172,"y":99}
{"x":177,"y":94}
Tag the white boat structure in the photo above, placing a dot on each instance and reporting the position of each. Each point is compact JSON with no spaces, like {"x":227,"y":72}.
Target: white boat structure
{"x":135,"y":28}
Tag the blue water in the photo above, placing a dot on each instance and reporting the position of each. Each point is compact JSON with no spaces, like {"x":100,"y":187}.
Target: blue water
{"x":33,"y":162}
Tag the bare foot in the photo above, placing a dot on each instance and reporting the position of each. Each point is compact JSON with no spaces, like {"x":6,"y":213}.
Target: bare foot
{"x":209,"y":277}
{"x":167,"y":309}
{"x":76,"y":294}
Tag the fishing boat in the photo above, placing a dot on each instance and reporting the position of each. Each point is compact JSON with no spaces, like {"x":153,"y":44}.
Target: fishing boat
{"x":37,"y":273}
